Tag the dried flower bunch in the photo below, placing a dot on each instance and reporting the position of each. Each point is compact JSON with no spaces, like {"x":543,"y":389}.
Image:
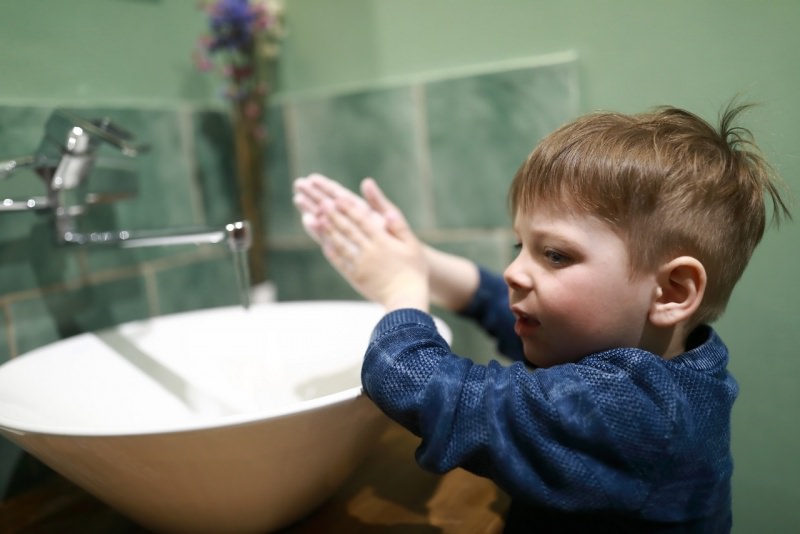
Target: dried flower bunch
{"x":245,"y":36}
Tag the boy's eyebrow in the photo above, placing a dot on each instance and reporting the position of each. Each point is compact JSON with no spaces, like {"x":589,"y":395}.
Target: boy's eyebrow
{"x":538,"y":231}
{"x":558,"y":229}
{"x":556,"y":236}
{"x":552,"y":236}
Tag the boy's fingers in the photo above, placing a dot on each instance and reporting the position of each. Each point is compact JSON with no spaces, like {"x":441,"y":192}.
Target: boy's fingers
{"x":313,"y":191}
{"x":309,"y":215}
{"x":342,"y":247}
{"x":370,"y":224}
{"x":328,"y":188}
{"x":395,"y":221}
{"x":316,"y":194}
{"x":345,"y":222}
{"x":325,"y":188}
{"x":375,"y":197}
{"x":303,"y":202}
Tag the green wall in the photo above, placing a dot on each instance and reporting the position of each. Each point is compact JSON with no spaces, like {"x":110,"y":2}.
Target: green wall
{"x":632,"y":54}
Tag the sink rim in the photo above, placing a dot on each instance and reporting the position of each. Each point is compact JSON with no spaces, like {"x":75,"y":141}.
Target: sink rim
{"x":11,"y":426}
{"x":197,"y":422}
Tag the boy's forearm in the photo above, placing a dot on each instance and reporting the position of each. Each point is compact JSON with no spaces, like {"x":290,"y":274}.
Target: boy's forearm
{"x":453,"y":279}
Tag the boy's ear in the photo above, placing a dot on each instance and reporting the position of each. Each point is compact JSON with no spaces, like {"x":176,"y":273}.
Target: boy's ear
{"x":681,"y":286}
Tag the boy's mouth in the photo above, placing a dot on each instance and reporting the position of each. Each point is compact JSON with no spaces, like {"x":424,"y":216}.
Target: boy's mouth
{"x":526,"y":324}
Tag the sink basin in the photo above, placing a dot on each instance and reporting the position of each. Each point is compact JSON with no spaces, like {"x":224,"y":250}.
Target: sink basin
{"x":219,"y":420}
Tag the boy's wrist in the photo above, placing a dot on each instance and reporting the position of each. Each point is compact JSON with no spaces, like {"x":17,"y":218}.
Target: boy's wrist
{"x":410,"y":296}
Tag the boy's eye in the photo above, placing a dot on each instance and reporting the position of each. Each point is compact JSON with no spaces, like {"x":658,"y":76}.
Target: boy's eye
{"x":517,"y":246}
{"x":555,"y":257}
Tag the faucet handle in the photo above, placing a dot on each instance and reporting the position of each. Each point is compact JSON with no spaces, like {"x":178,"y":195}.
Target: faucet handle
{"x":105,"y":130}
{"x":9,"y":167}
{"x":64,"y":159}
{"x":66,"y":132}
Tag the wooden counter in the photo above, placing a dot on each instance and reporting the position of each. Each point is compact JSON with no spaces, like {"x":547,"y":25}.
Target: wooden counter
{"x":388,"y":494}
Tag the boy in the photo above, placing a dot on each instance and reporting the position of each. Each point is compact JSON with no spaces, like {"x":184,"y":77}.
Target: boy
{"x":632,"y":232}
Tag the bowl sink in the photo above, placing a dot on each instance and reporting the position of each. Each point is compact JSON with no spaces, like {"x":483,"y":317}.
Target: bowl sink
{"x":218,"y":420}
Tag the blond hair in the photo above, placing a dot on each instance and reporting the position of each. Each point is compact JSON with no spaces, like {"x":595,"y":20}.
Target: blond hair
{"x":667,"y":182}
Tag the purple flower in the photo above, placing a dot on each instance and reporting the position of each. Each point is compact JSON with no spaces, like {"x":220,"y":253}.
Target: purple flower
{"x":233,"y":24}
{"x":241,"y":32}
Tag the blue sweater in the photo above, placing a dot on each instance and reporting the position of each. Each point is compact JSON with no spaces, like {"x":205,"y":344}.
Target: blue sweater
{"x":622,"y":440}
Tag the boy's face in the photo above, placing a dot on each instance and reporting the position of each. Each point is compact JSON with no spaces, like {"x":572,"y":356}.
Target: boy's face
{"x":571,"y":289}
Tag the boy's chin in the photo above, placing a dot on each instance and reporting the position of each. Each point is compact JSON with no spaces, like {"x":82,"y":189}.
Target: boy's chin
{"x":537,"y":360}
{"x":543,"y":359}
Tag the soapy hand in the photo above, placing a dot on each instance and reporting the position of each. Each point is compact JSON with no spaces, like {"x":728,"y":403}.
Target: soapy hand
{"x":311,"y":191}
{"x":366,"y":239}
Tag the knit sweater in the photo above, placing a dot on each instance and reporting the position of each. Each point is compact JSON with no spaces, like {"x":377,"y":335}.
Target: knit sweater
{"x":622,"y":440}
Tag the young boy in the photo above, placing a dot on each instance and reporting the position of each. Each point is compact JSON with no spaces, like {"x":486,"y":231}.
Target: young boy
{"x":632,"y":232}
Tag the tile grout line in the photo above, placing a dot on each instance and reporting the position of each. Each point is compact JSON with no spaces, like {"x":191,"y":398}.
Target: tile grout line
{"x":403,"y":80}
{"x":11,"y":334}
{"x":423,"y":150}
{"x":151,"y":290}
{"x":114,"y":274}
{"x":289,"y":135}
{"x":189,"y":151}
{"x":148,"y":272}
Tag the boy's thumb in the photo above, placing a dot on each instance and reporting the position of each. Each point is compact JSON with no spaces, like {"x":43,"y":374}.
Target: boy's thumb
{"x":396,"y":223}
{"x":375,"y":197}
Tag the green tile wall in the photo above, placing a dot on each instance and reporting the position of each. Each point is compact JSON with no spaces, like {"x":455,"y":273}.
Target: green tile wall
{"x":28,"y":259}
{"x":203,"y":283}
{"x":480,"y":130}
{"x":278,"y":208}
{"x":59,"y":314}
{"x":214,"y":166}
{"x":303,"y":273}
{"x":369,"y":133}
{"x":443,"y":149}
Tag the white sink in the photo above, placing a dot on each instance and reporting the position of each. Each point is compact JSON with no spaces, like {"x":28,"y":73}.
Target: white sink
{"x":221,"y":420}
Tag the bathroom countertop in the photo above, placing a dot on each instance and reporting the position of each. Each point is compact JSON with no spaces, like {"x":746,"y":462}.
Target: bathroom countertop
{"x":388,"y":494}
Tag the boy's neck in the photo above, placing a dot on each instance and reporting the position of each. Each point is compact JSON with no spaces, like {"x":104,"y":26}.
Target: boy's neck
{"x":666,"y":342}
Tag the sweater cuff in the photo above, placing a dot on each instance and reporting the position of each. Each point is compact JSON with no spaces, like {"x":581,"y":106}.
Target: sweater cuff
{"x":485,"y":294}
{"x":403,"y":316}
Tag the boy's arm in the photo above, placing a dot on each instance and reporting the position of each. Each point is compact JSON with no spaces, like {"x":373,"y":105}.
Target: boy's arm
{"x":453,"y":280}
{"x":538,"y":436}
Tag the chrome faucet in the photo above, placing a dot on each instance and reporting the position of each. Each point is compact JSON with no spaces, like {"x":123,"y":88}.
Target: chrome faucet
{"x":64,"y":159}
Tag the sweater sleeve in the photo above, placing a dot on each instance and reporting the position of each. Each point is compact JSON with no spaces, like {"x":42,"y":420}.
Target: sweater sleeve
{"x":539,"y":435}
{"x":490,"y":308}
{"x":621,"y":431}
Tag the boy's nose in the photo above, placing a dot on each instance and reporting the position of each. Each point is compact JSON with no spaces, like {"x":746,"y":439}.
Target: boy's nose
{"x":516,"y":277}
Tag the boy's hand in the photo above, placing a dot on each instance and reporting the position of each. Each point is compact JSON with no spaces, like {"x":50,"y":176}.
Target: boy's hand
{"x":383,"y":267}
{"x":368,"y":242}
{"x":310,"y":193}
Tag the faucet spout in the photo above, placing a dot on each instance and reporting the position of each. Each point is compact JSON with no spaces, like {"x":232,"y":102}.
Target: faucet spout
{"x":240,"y":238}
{"x":129,"y":239}
{"x":237,"y":235}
